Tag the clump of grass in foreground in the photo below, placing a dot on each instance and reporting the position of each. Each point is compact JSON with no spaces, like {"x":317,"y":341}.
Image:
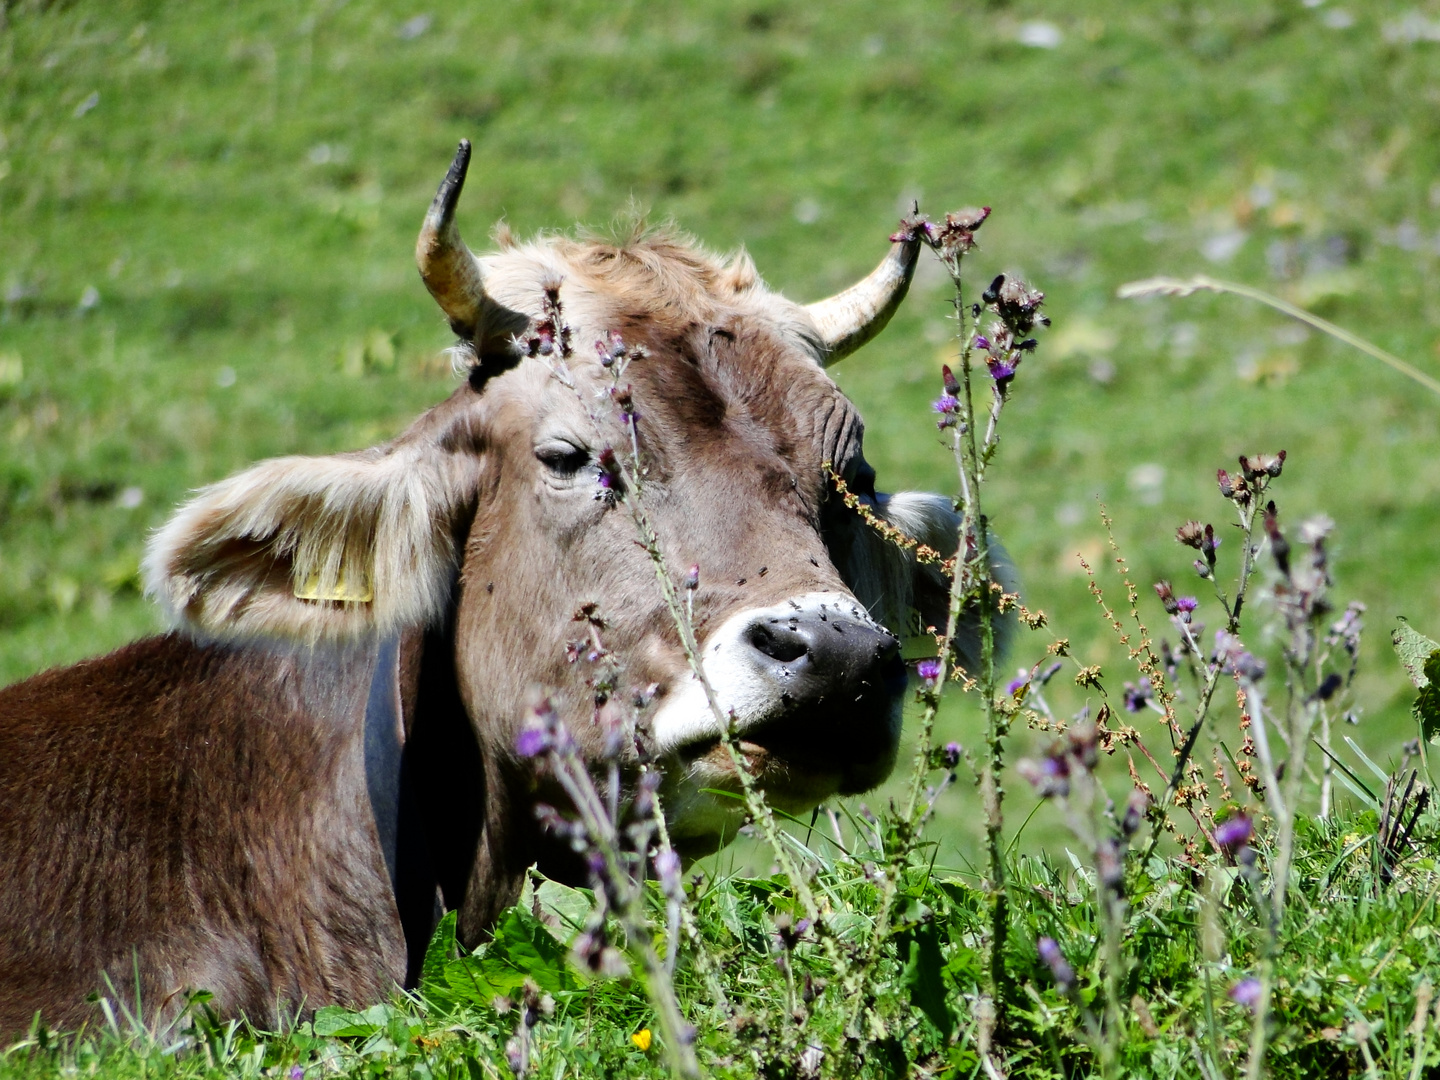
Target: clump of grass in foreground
{"x":1239,"y":933}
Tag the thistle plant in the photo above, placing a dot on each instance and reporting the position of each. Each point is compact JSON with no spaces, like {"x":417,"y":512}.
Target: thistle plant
{"x":1014,"y":310}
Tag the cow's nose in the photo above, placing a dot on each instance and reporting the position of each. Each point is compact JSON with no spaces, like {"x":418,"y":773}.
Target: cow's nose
{"x":811,"y":651}
{"x":813,"y":679}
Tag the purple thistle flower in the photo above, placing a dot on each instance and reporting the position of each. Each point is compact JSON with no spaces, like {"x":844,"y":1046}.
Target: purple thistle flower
{"x":981,"y":341}
{"x":1049,"y":776}
{"x":1136,"y":696}
{"x":1001,"y":371}
{"x":1234,"y":832}
{"x":952,"y":754}
{"x":1054,"y":959}
{"x":1246,"y":992}
{"x":1017,"y":684}
{"x":930,"y":671}
{"x":297,"y":1073}
{"x":692,"y":577}
{"x":532,"y":742}
{"x":1186,"y":604}
{"x":946,"y":404}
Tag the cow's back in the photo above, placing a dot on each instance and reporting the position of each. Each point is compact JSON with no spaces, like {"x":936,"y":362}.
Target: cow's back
{"x":198,"y":813}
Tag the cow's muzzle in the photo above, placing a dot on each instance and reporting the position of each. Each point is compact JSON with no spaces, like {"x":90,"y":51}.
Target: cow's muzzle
{"x":815,"y":689}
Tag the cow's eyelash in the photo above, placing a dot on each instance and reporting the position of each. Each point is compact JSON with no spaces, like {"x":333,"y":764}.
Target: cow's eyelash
{"x":563,"y":459}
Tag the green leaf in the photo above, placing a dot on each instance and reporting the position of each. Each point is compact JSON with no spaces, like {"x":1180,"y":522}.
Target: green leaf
{"x":441,"y":949}
{"x":523,"y":944}
{"x":1427,"y":704}
{"x":1414,"y":649}
{"x":334,"y":1020}
{"x":568,"y":908}
{"x":522,"y":949}
{"x":922,"y":975}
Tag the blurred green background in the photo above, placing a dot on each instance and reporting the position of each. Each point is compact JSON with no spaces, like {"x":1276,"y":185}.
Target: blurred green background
{"x":207,"y":213}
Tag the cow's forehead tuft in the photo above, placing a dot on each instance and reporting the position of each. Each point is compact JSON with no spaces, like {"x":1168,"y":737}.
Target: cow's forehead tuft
{"x":661,"y":278}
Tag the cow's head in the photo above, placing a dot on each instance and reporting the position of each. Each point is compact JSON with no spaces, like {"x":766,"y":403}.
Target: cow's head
{"x":485,"y":512}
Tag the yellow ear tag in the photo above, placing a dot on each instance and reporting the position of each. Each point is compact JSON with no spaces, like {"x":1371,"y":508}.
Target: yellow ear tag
{"x":358,"y":593}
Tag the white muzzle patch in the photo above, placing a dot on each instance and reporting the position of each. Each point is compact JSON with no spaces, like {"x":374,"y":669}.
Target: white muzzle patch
{"x":744,"y":680}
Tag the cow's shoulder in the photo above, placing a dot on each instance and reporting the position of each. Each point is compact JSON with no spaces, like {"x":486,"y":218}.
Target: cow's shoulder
{"x":201,"y":807}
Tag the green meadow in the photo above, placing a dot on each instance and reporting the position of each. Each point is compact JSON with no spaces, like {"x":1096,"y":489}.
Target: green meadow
{"x":207,"y":216}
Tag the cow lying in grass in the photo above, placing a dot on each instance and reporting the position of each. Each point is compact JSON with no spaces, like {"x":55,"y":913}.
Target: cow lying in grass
{"x":275,"y":800}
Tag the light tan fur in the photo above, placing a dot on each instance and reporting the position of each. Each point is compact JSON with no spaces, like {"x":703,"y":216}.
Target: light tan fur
{"x":229,"y":561}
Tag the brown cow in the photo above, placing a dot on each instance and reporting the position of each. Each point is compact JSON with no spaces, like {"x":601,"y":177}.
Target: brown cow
{"x":274,"y":801}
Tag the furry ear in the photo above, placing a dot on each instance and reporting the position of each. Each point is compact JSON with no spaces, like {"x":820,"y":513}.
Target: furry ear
{"x":910,"y":596}
{"x":315,"y":548}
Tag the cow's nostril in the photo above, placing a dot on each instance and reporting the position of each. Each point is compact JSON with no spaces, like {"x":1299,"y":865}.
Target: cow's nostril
{"x":777,"y":642}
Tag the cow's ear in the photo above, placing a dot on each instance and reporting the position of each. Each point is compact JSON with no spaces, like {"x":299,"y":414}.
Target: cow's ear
{"x":912,"y":597}
{"x":316,"y":548}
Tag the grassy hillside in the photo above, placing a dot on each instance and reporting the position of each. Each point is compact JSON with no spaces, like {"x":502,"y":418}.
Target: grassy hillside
{"x":207,"y":212}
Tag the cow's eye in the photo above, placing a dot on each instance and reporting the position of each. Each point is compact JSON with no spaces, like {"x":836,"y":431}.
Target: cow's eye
{"x":562,"y":458}
{"x":860,"y":477}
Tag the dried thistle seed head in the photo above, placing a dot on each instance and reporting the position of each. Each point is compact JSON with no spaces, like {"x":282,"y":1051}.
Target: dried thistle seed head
{"x":1258,"y":465}
{"x":913,"y":227}
{"x":1167,"y":597}
{"x":1314,"y":531}
{"x":1017,"y":304}
{"x":1233,"y":488}
{"x":956,"y":237}
{"x":948,"y":380}
{"x":1191,"y":534}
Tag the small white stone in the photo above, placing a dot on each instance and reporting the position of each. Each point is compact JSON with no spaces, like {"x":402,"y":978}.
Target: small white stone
{"x":1039,"y":34}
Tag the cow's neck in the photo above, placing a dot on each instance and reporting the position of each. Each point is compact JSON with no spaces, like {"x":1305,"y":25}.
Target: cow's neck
{"x":477,"y":828}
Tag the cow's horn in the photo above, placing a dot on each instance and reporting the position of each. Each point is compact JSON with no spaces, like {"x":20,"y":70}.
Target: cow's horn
{"x":447,"y":267}
{"x":849,"y":319}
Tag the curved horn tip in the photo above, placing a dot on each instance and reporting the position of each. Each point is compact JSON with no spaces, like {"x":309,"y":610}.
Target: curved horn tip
{"x":442,"y":208}
{"x":849,"y":319}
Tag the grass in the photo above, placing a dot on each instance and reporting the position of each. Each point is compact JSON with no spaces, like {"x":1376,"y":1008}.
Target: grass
{"x":206,"y":218}
{"x":1347,"y":992}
